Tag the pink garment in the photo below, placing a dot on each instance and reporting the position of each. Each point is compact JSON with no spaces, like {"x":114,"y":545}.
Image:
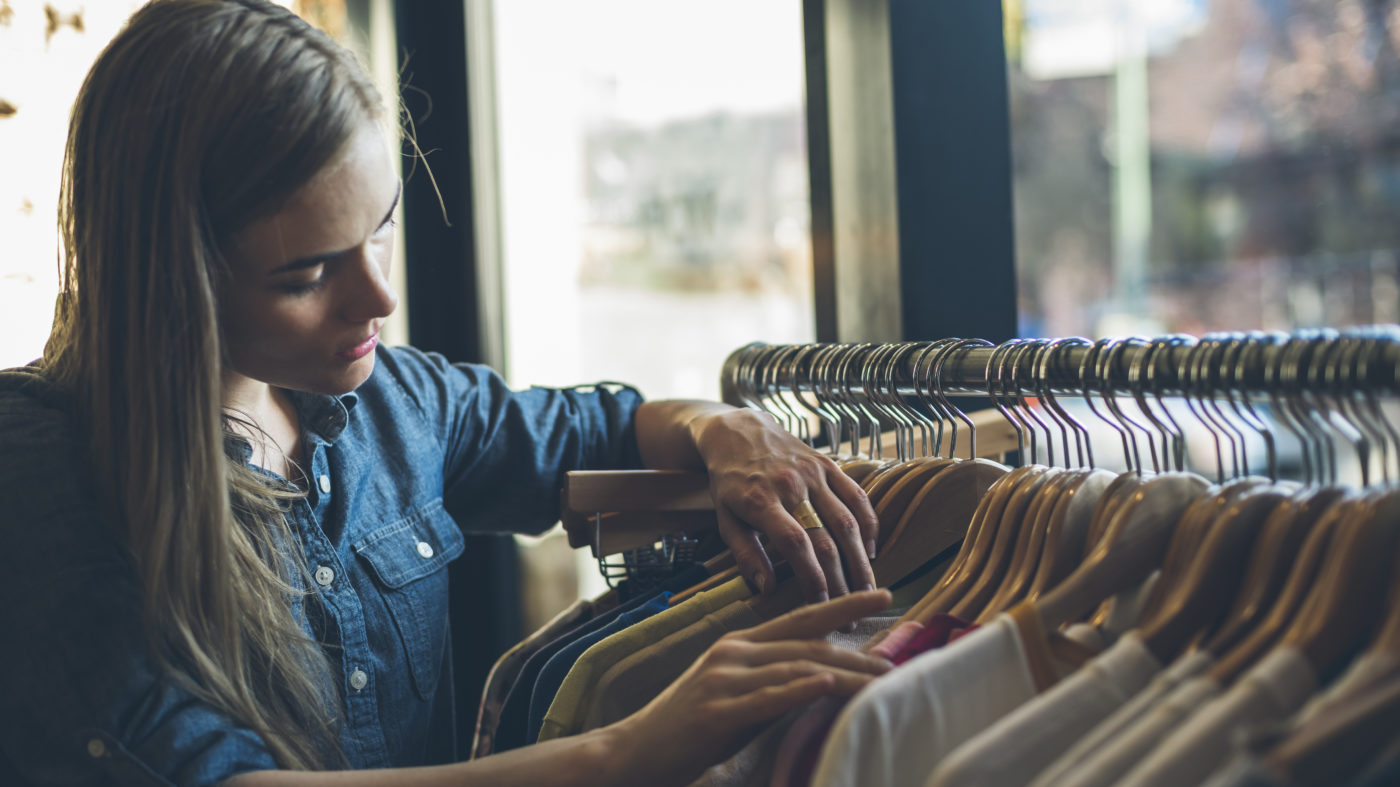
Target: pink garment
{"x":801,"y":747}
{"x":939,"y":631}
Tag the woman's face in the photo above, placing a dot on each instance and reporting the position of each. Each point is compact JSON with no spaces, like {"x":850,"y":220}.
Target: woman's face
{"x":309,"y":288}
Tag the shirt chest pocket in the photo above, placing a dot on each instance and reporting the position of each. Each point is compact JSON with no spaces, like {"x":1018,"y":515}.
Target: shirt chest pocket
{"x":409,"y":561}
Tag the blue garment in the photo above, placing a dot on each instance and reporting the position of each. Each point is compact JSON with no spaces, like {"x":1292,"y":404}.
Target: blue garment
{"x":557,"y":668}
{"x":396,"y":470}
{"x":513,"y":728}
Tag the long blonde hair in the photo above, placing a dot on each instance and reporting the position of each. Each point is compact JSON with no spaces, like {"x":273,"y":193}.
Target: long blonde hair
{"x":200,"y":117}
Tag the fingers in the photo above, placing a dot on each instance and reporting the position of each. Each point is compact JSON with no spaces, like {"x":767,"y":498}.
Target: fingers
{"x":844,"y":682}
{"x":818,"y":620}
{"x":816,"y":652}
{"x":792,"y":542}
{"x":846,"y":541}
{"x":829,"y":557}
{"x":767,"y":704}
{"x":749,"y":554}
{"x":858,"y":505}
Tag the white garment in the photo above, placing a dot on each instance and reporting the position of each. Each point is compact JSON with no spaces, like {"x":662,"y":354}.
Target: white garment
{"x":1271,"y":690}
{"x":1019,"y":746}
{"x":1124,"y":750}
{"x":1368,"y":668}
{"x":1091,"y":743}
{"x":896,"y":730}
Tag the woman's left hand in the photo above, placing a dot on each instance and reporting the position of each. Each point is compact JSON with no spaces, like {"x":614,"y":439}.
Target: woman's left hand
{"x":760,"y":477}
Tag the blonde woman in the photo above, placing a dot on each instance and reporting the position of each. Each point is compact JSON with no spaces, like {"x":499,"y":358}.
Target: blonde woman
{"x":224,"y":538}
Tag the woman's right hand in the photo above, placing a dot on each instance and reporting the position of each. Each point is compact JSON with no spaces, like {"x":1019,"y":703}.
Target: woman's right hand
{"x":745,"y":680}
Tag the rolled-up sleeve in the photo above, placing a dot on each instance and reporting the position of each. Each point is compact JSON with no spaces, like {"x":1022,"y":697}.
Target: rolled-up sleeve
{"x":506,"y":452}
{"x":81,"y":700}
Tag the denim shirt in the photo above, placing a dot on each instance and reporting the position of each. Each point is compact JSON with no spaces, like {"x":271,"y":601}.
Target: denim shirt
{"x":396,"y":471}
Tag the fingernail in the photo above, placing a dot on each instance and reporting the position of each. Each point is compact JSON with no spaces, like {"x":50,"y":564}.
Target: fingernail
{"x":870,"y":548}
{"x":758,"y":581}
{"x":821,"y":598}
{"x":866,"y":586}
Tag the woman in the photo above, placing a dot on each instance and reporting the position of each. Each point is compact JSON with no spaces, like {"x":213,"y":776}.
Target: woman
{"x":227,"y":508}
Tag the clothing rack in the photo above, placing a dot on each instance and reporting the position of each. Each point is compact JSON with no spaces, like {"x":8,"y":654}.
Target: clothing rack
{"x":1248,"y":363}
{"x":868,"y":388}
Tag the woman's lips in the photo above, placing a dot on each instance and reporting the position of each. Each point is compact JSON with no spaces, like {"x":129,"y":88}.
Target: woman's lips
{"x":360,"y":350}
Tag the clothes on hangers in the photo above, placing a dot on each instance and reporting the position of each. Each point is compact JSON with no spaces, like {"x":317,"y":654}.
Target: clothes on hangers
{"x":760,"y":762}
{"x":901,"y":726}
{"x":1061,"y":768}
{"x":507,"y":668}
{"x":633,"y":680}
{"x":512,"y":725}
{"x":1274,"y":688}
{"x":801,"y":746}
{"x":570,"y":704}
{"x":1021,"y":744}
{"x":556,"y":670}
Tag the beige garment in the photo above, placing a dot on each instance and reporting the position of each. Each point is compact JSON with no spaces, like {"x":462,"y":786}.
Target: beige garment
{"x":572,"y":700}
{"x":632,"y":682}
{"x":1271,"y":691}
{"x":1022,"y":743}
{"x":1101,"y":736}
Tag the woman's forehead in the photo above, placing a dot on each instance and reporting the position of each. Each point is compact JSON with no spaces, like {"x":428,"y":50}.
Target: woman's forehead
{"x":339,"y":208}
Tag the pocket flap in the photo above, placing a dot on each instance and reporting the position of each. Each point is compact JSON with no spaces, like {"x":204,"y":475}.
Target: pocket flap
{"x":413,"y":547}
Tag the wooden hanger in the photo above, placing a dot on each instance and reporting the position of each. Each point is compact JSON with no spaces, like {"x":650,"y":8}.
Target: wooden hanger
{"x":993,"y":501}
{"x":1307,"y":564}
{"x":892,"y":505}
{"x":1346,"y":606}
{"x":880,"y":472}
{"x":1132,"y":547}
{"x":994,"y":539}
{"x":1186,"y":541}
{"x":882,"y":482}
{"x":923,"y":540}
{"x":1007,"y":530}
{"x":858,"y":469}
{"x":1069,"y":527}
{"x":1270,"y":563}
{"x":926,"y":501}
{"x":1334,"y":748}
{"x":1387,"y":639}
{"x":1030,"y":544}
{"x":1199,"y":601}
{"x":938,"y":518}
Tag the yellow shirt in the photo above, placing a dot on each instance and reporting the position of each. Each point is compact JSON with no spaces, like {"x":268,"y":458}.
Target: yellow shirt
{"x":566,"y":714}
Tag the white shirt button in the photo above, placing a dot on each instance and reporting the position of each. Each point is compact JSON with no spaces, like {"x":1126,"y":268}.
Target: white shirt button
{"x":96,"y":748}
{"x":425,"y":549}
{"x":324,"y":483}
{"x":358,"y":679}
{"x":324,"y":576}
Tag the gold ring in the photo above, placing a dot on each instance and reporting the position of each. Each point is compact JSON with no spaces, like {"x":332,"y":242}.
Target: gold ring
{"x":807,"y":516}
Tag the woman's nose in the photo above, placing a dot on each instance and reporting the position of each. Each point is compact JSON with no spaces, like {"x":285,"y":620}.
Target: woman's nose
{"x":371,"y":296}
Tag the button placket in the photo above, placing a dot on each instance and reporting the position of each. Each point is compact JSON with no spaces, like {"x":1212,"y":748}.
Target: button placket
{"x":343,"y":604}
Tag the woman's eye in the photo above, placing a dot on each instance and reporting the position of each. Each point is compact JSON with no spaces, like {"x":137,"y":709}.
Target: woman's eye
{"x":301,"y":289}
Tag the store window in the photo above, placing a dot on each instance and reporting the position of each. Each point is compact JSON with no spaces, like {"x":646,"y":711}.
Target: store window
{"x":654,"y":188}
{"x":1195,"y":166}
{"x":1184,"y":165}
{"x":46,"y":49}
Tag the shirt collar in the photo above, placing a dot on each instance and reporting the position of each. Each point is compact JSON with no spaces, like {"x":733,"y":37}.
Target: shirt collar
{"x":322,"y":416}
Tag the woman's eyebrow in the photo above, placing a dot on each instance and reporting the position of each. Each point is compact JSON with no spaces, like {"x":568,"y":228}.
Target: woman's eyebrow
{"x":321,"y":259}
